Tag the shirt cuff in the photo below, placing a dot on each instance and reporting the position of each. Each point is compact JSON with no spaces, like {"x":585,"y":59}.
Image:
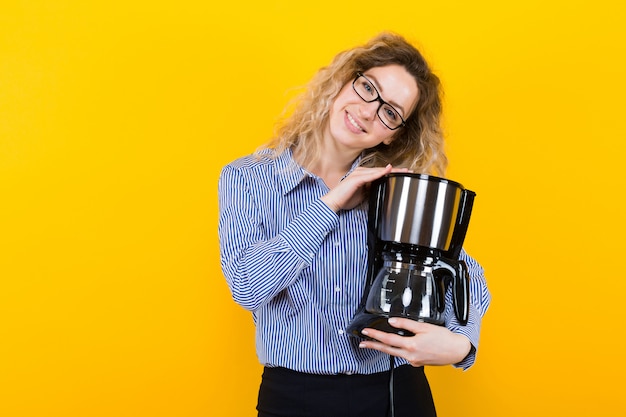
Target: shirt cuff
{"x":472,"y":332}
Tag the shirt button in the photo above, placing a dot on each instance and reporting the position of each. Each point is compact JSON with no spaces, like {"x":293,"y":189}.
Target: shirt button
{"x":312,"y":255}
{"x":337,"y":289}
{"x":337,"y":243}
{"x":340,"y":331}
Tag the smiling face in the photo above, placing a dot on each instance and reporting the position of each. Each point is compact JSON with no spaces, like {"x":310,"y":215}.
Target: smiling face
{"x":354,"y":124}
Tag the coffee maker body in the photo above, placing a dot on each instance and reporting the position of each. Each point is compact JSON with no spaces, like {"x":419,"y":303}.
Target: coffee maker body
{"x":416,"y":228}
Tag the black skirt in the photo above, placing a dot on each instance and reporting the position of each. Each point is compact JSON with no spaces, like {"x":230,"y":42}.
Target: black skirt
{"x":287,"y":393}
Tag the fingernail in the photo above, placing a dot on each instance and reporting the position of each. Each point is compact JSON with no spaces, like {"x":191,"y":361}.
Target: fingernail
{"x":392,"y":320}
{"x":361,"y":345}
{"x":364,"y":332}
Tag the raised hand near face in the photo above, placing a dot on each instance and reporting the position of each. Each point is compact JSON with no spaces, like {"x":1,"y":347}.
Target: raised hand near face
{"x":352,"y":190}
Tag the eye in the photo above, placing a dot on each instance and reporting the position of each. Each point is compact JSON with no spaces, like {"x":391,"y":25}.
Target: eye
{"x":391,"y":114}
{"x":368,"y":88}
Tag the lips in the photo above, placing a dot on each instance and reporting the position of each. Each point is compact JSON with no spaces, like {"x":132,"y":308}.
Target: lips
{"x":352,"y":124}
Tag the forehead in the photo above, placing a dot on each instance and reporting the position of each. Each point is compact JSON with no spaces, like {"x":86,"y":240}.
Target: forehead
{"x":396,"y":86}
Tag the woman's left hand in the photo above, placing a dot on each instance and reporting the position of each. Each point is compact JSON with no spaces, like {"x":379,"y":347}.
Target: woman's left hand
{"x":430,"y":344}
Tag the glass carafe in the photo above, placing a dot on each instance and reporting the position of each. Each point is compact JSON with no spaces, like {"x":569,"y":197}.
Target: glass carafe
{"x":412,"y":290}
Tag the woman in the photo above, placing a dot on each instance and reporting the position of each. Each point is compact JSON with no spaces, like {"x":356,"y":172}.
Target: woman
{"x":293,"y":240}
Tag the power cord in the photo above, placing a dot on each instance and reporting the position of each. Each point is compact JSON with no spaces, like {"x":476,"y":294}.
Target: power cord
{"x":392,"y":363}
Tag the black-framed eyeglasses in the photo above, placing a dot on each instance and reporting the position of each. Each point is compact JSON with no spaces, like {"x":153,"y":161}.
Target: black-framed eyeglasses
{"x":365,"y":89}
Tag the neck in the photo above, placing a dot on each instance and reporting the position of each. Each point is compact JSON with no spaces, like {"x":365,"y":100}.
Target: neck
{"x":332,"y":167}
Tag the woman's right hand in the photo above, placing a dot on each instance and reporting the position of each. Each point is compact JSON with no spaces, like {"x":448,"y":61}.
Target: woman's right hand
{"x":351,"y":191}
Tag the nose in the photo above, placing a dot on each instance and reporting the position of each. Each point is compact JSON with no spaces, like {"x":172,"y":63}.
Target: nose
{"x":368,"y":110}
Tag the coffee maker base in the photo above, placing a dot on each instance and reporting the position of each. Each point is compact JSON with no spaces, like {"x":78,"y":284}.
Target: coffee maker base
{"x":363,"y":320}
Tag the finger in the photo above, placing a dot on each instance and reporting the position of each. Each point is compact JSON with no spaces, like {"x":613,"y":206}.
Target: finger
{"x":390,"y":350}
{"x":407,"y":324}
{"x":389,"y":339}
{"x":401,"y":170}
{"x":375,"y":173}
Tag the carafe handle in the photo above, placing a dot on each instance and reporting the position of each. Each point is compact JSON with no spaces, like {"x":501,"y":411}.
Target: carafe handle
{"x":457,"y":273}
{"x":460,"y":293}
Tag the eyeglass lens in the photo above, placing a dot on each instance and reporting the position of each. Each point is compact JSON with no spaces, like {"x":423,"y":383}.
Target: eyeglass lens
{"x":387,"y":114}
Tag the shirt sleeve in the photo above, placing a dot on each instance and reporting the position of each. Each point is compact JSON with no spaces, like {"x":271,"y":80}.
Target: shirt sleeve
{"x":257,"y":266}
{"x":479,"y":303}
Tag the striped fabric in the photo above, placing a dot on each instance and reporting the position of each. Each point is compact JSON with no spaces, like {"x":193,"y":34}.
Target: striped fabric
{"x":300,"y":268}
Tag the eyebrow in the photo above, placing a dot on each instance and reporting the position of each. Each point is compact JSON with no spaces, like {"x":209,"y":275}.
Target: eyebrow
{"x":380,"y":90}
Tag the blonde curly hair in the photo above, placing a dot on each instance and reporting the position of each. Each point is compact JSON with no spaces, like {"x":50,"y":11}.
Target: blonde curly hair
{"x":418,"y":145}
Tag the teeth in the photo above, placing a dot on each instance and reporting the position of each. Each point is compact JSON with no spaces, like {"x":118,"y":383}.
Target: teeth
{"x":354,"y":123}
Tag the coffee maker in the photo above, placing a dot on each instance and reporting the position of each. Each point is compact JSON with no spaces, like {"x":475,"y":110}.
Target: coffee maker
{"x":416,"y":228}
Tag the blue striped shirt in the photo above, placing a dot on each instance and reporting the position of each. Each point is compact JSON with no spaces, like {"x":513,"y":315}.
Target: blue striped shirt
{"x":300,"y":268}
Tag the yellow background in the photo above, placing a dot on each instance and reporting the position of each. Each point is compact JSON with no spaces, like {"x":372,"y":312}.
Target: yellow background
{"x":116,"y":117}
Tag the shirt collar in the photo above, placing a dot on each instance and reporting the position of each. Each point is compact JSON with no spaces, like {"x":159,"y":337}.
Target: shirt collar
{"x":291,"y":173}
